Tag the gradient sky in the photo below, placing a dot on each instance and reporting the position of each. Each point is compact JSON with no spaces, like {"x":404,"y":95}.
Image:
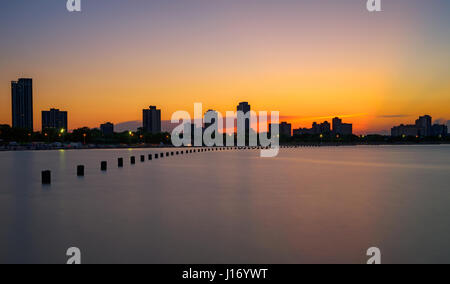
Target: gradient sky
{"x":308,"y":59}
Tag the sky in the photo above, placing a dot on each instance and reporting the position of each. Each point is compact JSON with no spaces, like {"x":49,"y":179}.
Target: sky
{"x":309,"y":59}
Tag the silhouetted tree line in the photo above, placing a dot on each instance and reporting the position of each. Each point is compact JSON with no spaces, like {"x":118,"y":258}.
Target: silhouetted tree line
{"x":95,"y":136}
{"x":81,"y":135}
{"x":363,"y":139}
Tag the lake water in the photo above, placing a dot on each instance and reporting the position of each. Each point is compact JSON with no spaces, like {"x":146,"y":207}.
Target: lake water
{"x":308,"y":205}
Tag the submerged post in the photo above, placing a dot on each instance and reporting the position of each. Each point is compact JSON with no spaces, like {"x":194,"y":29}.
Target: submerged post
{"x":46,"y":177}
{"x":80,"y":171}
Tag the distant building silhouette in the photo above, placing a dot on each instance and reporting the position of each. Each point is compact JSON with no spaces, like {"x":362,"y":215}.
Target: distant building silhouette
{"x":325,"y":128}
{"x":22,"y":103}
{"x":422,"y":128}
{"x":152,"y":120}
{"x":285,"y":129}
{"x":303,"y":131}
{"x":404,"y":130}
{"x":439,"y":130}
{"x":245,"y":108}
{"x":107,"y":129}
{"x":423,"y":125}
{"x":54,"y":118}
{"x":340,"y":128}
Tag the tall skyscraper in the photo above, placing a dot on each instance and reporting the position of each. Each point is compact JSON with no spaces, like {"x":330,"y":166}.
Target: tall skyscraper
{"x":54,"y":118}
{"x":245,"y":108}
{"x":22,"y":103}
{"x":152,"y":120}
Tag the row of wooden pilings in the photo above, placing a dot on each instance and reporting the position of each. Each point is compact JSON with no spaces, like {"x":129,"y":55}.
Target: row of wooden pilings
{"x":47,"y":174}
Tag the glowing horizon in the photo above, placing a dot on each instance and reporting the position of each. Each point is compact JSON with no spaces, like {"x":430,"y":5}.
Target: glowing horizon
{"x":309,"y":60}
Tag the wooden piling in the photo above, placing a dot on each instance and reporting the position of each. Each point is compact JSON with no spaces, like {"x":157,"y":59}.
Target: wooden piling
{"x":46,"y":177}
{"x":80,"y":171}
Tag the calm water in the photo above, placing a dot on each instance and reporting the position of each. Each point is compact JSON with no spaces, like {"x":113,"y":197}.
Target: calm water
{"x":316,"y":205}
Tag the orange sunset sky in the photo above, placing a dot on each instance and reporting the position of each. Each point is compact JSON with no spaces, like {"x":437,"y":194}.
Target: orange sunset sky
{"x":310,"y":60}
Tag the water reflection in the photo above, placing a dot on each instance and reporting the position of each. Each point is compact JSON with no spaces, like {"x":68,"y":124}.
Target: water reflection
{"x":307,"y":205}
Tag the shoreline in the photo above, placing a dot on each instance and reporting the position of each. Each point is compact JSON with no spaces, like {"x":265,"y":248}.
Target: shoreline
{"x":293,"y":145}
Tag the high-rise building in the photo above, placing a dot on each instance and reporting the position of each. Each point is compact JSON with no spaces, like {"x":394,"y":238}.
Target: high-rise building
{"x":22,"y":103}
{"x":285,"y":129}
{"x":245,"y":108}
{"x":107,"y":129}
{"x":423,"y":125}
{"x":337,"y":123}
{"x":439,"y":130}
{"x":315,"y":128}
{"x":152,"y":120}
{"x":54,"y":118}
{"x":340,"y":128}
{"x":404,"y":130}
{"x":325,"y":128}
{"x":422,"y":128}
